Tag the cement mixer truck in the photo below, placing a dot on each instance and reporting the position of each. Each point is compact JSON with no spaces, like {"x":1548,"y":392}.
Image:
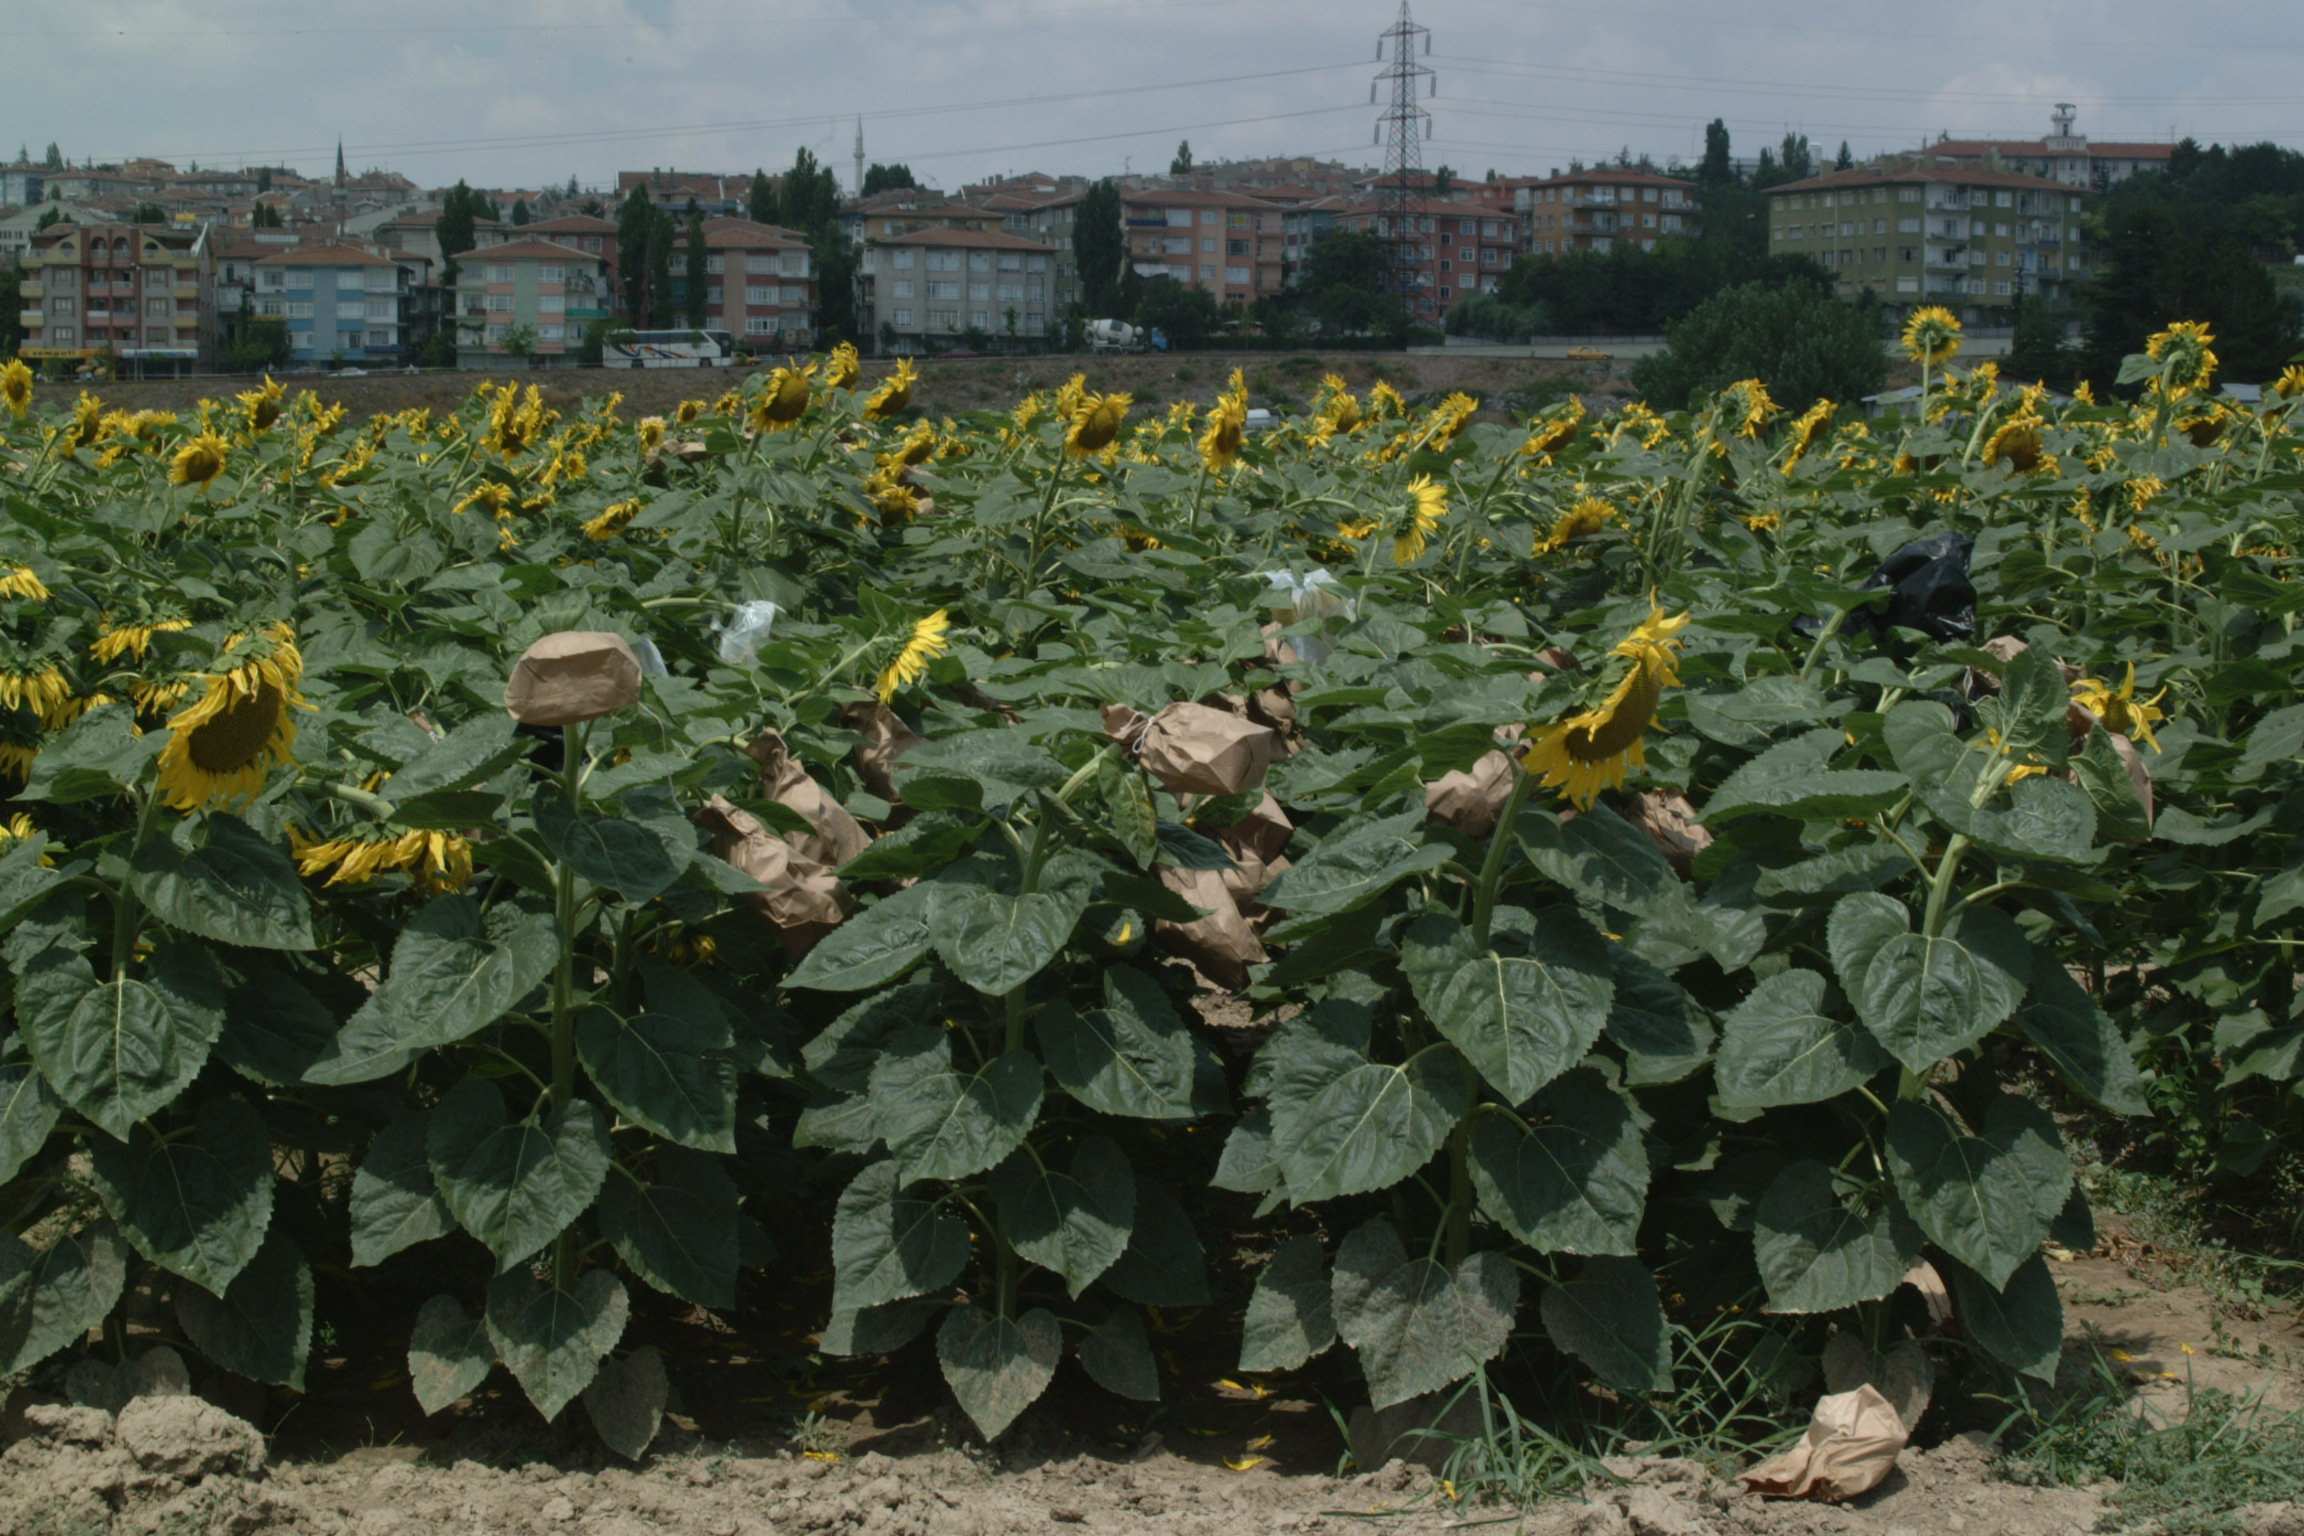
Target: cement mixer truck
{"x":1120,"y":336}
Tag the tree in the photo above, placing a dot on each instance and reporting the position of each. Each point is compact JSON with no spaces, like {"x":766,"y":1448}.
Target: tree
{"x":520,"y":342}
{"x":50,"y":215}
{"x":2037,"y":351}
{"x":1346,"y":284}
{"x":634,"y":222}
{"x":54,"y":159}
{"x":264,"y":179}
{"x":760,"y":204}
{"x":1100,"y":249}
{"x":693,"y":276}
{"x":150,"y":213}
{"x":1186,"y":315}
{"x":886,"y":178}
{"x":519,"y":211}
{"x":265,"y":216}
{"x":262,"y":342}
{"x":1717,"y":168}
{"x":835,"y":261}
{"x":661,"y":307}
{"x":1843,"y":161}
{"x":1443,"y":181}
{"x":1795,"y":338}
{"x":811,"y":197}
{"x":594,"y":347}
{"x":1182,"y":164}
{"x":1798,"y":159}
{"x":573,"y":189}
{"x":455,"y":229}
{"x":2155,"y":265}
{"x":11,"y":304}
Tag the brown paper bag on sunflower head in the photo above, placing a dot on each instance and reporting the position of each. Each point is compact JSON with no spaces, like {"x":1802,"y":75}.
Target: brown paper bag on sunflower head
{"x":573,"y":676}
{"x":1195,"y":750}
{"x":838,"y":837}
{"x":803,"y":898}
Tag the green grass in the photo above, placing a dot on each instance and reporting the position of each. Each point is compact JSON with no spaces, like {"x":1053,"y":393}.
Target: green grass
{"x":2187,"y":1474}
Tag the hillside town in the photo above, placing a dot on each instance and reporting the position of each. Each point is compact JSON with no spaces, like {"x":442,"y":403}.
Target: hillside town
{"x":146,"y":267}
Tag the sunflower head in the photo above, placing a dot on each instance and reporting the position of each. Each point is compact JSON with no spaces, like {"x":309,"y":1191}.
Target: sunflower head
{"x":1587,"y":517}
{"x":199,"y":461}
{"x":1553,"y":433}
{"x":924,"y":644}
{"x":2016,"y":442}
{"x":1806,"y":429}
{"x":16,"y":387}
{"x":2122,"y":713}
{"x":894,"y":393}
{"x":132,"y":640}
{"x":1227,"y":426}
{"x":223,"y":745}
{"x":2290,"y":384}
{"x":1418,"y":518}
{"x":22,"y":581}
{"x":2186,"y":363}
{"x":436,"y":863}
{"x":263,"y":405}
{"x":611,"y":521}
{"x":841,"y":368}
{"x":1595,"y":748}
{"x":1746,"y":402}
{"x":1932,"y":335}
{"x":651,"y":433}
{"x":1096,"y":423}
{"x":784,"y":401}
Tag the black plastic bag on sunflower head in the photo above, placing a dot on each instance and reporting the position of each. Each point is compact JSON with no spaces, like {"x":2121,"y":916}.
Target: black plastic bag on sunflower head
{"x":1928,"y":591}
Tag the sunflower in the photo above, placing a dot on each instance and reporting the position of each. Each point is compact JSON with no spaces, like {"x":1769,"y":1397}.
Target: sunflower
{"x":611,"y":521}
{"x":22,"y":581}
{"x":1932,"y":335}
{"x":651,"y":433}
{"x":16,"y":829}
{"x":1551,"y":435}
{"x":1096,"y":423}
{"x":436,"y":863}
{"x":131,"y":640}
{"x":923,"y":645}
{"x":16,"y":387}
{"x":917,"y":446}
{"x":263,"y":405}
{"x":1337,"y":410}
{"x":1419,"y":518}
{"x":894,"y":393}
{"x":222,"y":745}
{"x":688,"y":412}
{"x":784,"y":401}
{"x":1806,"y":429}
{"x":1449,"y":419}
{"x":199,"y":461}
{"x":1587,"y":517}
{"x":2122,"y":713}
{"x":492,"y":495}
{"x":841,"y":368}
{"x":34,"y":685}
{"x":2290,"y":384}
{"x":1384,"y":400}
{"x":515,"y":420}
{"x":1592,"y":751}
{"x":892,"y":494}
{"x":2017,"y":441}
{"x":1750,"y":398}
{"x":1227,"y":425}
{"x":2186,"y":363}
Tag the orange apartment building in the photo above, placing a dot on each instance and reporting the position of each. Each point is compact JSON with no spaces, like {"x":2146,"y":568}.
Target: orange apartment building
{"x":1224,"y":243}
{"x":1593,"y":210}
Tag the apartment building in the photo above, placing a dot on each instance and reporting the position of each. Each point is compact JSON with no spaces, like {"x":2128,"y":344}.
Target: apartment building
{"x":716,"y":195}
{"x":936,"y":286}
{"x":759,"y":283}
{"x":142,"y":293}
{"x":419,"y":233}
{"x":2064,"y":155}
{"x":341,"y":304}
{"x":1451,"y":248}
{"x":1046,"y":217}
{"x":584,"y":232}
{"x":904,"y":210}
{"x":1971,"y":240}
{"x":550,"y":291}
{"x":1224,"y":243}
{"x":1593,"y":210}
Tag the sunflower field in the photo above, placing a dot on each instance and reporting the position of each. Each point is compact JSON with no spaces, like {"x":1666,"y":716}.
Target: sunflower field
{"x":1439,"y":890}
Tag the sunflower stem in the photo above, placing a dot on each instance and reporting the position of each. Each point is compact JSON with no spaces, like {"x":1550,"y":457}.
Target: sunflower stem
{"x":1499,"y":841}
{"x":1456,"y":1226}
{"x":127,"y":911}
{"x":565,"y":1257}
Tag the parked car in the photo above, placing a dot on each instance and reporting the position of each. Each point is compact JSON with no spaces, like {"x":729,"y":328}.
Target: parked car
{"x":1590,"y":355}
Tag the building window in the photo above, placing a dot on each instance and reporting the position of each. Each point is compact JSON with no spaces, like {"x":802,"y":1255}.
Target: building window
{"x":1176,"y":245}
{"x":1207,"y":274}
{"x":552,"y":303}
{"x":1447,"y":266}
{"x":767,"y":325}
{"x":903,"y":317}
{"x":1210,"y":216}
{"x":901,"y":289}
{"x":1035,"y":263}
{"x":937,"y":290}
{"x":299,"y":311}
{"x":498,"y":304}
{"x":499,"y":272}
{"x":1907,"y":285}
{"x":379,"y":338}
{"x":592,"y":243}
{"x":943,"y":319}
{"x":62,"y":306}
{"x":765,"y":293}
{"x":715,"y":265}
{"x":379,"y":309}
{"x":552,"y":332}
{"x":1239,"y":276}
{"x":980,"y":292}
{"x":63,"y":335}
{"x":350,"y":278}
{"x":1011,"y":291}
{"x":900,"y":261}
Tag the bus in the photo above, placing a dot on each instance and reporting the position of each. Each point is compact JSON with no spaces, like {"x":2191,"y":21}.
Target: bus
{"x":667,"y":349}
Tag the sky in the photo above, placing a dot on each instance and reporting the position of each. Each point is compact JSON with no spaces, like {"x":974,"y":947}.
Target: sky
{"x":525,"y":93}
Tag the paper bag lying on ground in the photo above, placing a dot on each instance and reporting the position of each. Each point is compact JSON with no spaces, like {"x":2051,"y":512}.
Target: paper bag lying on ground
{"x":572,"y":676}
{"x":886,"y":738}
{"x":839,"y":836}
{"x":1193,"y":749}
{"x":803,"y":898}
{"x":1221,"y":944}
{"x":1257,"y":845}
{"x":1851,"y":1444}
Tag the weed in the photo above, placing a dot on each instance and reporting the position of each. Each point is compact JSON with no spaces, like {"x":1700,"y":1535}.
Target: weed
{"x":2187,"y":1473}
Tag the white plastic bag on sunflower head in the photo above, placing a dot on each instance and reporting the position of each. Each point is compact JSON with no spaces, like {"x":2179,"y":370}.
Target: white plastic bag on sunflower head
{"x":651,"y":659}
{"x":1314,"y":595}
{"x":742,"y":636}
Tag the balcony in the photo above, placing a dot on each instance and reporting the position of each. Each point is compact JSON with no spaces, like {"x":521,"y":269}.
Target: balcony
{"x":31,"y":289}
{"x":189,"y":291}
{"x":31,"y":319}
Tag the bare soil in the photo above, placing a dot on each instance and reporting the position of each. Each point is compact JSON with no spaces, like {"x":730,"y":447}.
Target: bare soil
{"x":947,"y":386}
{"x":768,"y":1439}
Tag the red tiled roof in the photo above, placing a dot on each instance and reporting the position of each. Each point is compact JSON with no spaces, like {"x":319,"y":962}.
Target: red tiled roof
{"x":570,"y":224}
{"x":527,"y":250}
{"x":1964,"y":175}
{"x":324,"y":256}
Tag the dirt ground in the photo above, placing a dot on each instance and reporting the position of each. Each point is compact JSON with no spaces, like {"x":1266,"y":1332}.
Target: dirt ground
{"x":789,"y":1447}
{"x":947,"y":386}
